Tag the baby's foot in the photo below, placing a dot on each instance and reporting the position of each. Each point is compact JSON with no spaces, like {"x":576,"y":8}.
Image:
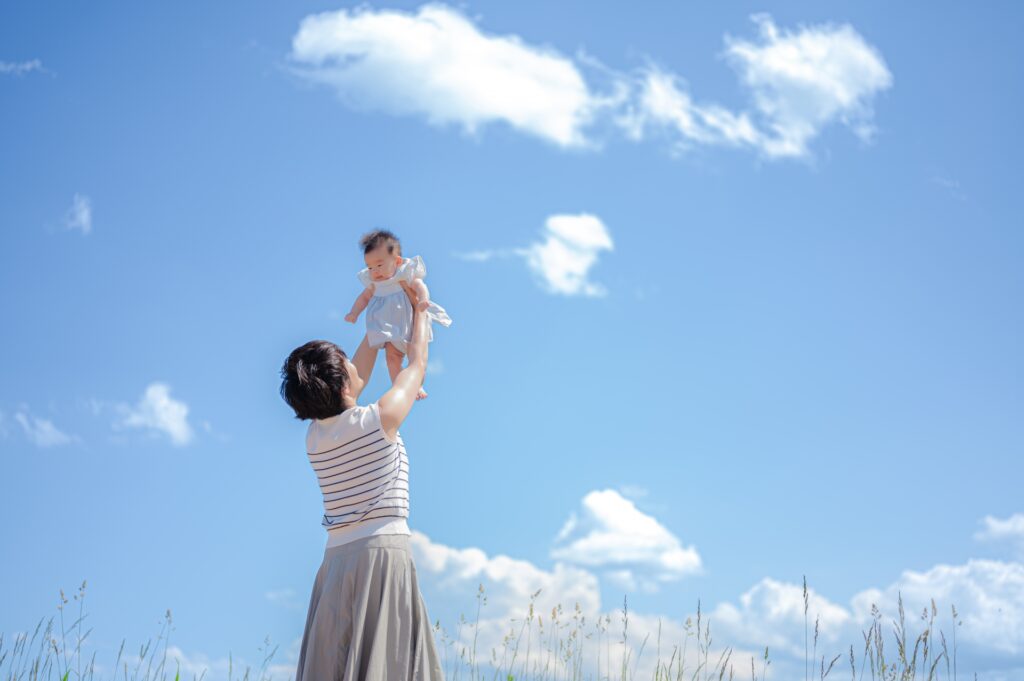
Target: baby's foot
{"x":421,"y":394}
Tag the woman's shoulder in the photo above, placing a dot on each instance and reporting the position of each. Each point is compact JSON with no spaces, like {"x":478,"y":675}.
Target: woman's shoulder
{"x":332,"y":431}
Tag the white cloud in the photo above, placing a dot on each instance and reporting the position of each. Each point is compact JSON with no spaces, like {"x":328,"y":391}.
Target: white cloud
{"x":802,"y":80}
{"x":438,"y":64}
{"x":1009,"y":530}
{"x":561,"y":261}
{"x":199,"y":665}
{"x":570,"y":248}
{"x":611,"y":532}
{"x":20,"y":68}
{"x":771,"y":613}
{"x":988,"y":595}
{"x":159,"y":413}
{"x":512,"y":580}
{"x":286,"y":598}
{"x":511,"y":585}
{"x":79,"y":216}
{"x":41,"y":432}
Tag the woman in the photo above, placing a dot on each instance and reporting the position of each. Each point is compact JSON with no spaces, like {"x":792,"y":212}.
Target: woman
{"x":367,"y":620}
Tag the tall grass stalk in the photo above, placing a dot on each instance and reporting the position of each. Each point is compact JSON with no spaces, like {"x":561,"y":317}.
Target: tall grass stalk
{"x":559,"y":652}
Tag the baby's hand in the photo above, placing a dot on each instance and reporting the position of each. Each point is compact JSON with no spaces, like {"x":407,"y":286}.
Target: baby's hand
{"x":351,"y":317}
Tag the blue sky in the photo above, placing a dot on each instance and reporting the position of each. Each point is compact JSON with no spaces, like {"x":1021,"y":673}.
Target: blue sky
{"x":735,"y":294}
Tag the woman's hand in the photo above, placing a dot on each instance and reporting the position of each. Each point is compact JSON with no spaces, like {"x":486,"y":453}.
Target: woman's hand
{"x":410,"y":292}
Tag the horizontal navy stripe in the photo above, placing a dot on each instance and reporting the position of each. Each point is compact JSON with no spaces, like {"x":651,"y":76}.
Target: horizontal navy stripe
{"x":368,"y":454}
{"x":361,"y":501}
{"x":374,"y":490}
{"x":364,"y":512}
{"x":346,"y":444}
{"x":320,"y":470}
{"x":345,"y":454}
{"x":361,"y":492}
{"x":403,"y":475}
{"x":375,"y":507}
{"x":367,"y":516}
{"x":392,"y":452}
{"x":388,"y":457}
{"x":361,"y":474}
{"x":390,"y":515}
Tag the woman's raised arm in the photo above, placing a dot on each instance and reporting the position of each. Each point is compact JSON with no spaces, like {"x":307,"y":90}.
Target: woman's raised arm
{"x":397,"y":402}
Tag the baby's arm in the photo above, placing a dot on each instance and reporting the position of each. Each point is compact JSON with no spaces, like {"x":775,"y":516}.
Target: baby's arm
{"x":422,"y":293}
{"x":361,"y":302}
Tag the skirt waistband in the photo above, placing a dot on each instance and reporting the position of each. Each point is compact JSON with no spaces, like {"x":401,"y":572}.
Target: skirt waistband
{"x":388,"y":541}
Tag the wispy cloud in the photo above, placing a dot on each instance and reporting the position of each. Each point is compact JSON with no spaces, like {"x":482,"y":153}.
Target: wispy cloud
{"x":800,"y":81}
{"x":79,"y":215}
{"x":484,"y":256}
{"x":20,"y":68}
{"x":952,"y":186}
{"x":437,"y":63}
{"x":158,"y":413}
{"x":286,"y":598}
{"x":41,"y":432}
{"x":562,"y":259}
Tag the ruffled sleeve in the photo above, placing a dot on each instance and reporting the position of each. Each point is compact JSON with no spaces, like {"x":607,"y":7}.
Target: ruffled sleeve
{"x":364,"y":277}
{"x":413,"y":268}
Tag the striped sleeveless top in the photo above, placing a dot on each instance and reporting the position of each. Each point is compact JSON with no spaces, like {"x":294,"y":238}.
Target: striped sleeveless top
{"x":364,"y":476}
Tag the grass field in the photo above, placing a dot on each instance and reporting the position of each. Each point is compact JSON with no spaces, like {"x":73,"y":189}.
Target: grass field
{"x":536,"y":648}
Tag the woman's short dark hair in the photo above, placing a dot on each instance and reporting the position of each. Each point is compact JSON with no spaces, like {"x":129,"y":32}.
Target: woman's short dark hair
{"x":312,"y":379}
{"x":381,"y":237}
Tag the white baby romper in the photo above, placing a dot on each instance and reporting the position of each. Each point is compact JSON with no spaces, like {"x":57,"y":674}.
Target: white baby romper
{"x":389,"y":314}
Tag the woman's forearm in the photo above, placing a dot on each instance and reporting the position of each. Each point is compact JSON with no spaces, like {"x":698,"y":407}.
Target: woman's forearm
{"x":416,"y":349}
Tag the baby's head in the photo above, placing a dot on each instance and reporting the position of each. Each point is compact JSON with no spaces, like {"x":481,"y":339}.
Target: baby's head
{"x":383,"y":253}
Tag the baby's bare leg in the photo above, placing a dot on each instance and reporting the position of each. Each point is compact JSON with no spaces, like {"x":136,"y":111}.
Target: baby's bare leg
{"x":394,"y":357}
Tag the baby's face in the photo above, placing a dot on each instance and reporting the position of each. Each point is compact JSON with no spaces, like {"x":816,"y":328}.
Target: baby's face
{"x":381,"y":264}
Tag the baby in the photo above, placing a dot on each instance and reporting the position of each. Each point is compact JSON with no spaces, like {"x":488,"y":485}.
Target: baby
{"x":388,"y":314}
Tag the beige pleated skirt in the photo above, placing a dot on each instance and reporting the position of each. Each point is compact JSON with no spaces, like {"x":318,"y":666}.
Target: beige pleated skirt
{"x":367,"y":620}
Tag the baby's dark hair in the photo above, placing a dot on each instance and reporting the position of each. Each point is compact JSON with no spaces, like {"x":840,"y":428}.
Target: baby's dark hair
{"x":381,"y":237}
